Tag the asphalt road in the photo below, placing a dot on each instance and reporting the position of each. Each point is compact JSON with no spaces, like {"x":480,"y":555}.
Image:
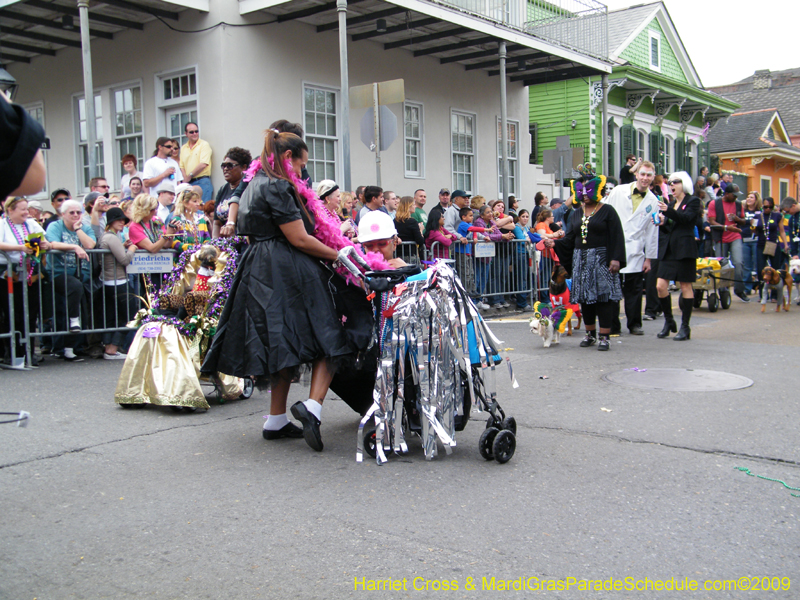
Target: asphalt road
{"x":607,"y":483}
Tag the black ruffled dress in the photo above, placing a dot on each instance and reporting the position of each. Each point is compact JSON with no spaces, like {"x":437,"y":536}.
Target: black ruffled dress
{"x":280,"y":312}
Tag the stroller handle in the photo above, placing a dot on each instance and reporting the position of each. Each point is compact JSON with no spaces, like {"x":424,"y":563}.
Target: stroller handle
{"x":347,"y":255}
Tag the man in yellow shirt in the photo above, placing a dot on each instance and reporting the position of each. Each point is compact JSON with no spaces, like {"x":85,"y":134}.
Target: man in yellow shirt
{"x":196,"y":161}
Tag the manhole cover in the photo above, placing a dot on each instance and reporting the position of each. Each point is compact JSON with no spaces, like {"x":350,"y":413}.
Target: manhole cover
{"x":679,"y":380}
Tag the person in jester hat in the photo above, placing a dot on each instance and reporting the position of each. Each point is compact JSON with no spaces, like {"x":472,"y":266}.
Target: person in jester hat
{"x":593,"y":250}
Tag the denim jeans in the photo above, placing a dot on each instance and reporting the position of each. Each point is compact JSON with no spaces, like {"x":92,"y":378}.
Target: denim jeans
{"x":205,"y":185}
{"x":481,"y":276}
{"x":736,"y":254}
{"x":749,"y":264}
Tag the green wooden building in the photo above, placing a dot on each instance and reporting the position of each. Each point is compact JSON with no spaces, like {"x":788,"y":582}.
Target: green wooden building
{"x":657,"y":106}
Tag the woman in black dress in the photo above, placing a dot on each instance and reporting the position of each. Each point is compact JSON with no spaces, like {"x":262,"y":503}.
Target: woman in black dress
{"x":677,"y":252}
{"x":593,"y":250}
{"x":279,"y":314}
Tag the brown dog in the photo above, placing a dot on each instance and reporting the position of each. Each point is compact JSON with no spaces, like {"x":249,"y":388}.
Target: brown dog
{"x":780,"y":281}
{"x":559,"y":294}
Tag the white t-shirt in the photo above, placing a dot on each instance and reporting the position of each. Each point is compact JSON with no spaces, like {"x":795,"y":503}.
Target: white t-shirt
{"x":155,"y":166}
{"x":126,"y":181}
{"x":7,"y":237}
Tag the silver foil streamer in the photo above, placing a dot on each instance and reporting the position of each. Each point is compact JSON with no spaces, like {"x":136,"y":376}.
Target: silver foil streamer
{"x":429,"y":329}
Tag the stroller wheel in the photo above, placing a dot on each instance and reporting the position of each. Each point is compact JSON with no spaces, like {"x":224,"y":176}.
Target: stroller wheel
{"x":369,"y":443}
{"x":249,"y":386}
{"x":510,"y":424}
{"x":504,"y":445}
{"x":189,"y":409}
{"x":176,"y":408}
{"x":486,"y":442}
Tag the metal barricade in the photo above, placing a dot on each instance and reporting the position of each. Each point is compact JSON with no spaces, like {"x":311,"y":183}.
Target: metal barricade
{"x":9,"y":310}
{"x":544,"y":270}
{"x":410,"y":252}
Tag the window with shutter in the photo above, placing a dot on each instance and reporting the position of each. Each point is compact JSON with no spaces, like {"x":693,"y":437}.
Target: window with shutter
{"x":703,"y":156}
{"x":654,"y":151}
{"x":680,"y":154}
{"x":627,"y":137}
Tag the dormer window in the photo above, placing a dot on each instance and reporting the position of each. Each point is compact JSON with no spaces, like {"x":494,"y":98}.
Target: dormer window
{"x":655,"y":51}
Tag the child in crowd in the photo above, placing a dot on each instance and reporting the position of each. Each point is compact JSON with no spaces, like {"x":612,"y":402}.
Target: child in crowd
{"x":377,"y":233}
{"x":463,"y":253}
{"x":444,"y":239}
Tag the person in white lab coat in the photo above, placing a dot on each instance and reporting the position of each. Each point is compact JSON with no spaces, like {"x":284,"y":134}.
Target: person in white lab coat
{"x":635,"y":203}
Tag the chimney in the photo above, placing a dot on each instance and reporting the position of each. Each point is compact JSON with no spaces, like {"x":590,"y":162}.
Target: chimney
{"x":762,"y":80}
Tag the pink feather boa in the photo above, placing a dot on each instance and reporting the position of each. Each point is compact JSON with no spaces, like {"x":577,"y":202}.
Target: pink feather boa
{"x":327,"y":227}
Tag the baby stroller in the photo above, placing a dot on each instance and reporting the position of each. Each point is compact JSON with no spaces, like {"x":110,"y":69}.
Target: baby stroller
{"x":163,"y":364}
{"x":437,"y":362}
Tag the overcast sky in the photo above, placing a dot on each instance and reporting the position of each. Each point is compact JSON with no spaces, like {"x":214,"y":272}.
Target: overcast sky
{"x":728,"y":40}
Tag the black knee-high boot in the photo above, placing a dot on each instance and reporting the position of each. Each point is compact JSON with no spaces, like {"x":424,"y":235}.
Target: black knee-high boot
{"x":685,"y":333}
{"x":669,"y":320}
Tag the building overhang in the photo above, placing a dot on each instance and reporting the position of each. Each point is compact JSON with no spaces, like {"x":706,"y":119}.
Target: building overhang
{"x":782,"y":156}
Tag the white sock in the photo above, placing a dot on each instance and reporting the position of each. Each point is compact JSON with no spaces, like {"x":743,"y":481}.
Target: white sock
{"x":314,"y":407}
{"x":69,"y":353}
{"x":276,"y":422}
{"x":74,"y":321}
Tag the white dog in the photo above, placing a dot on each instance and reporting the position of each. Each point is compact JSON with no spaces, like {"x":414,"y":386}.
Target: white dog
{"x":548,"y":322}
{"x":794,"y":271}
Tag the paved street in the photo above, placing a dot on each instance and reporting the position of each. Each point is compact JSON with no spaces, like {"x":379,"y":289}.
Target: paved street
{"x":607,"y":482}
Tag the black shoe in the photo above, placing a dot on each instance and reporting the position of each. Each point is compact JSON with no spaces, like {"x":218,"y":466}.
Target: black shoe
{"x":587,"y":341}
{"x":310,"y":425}
{"x":636,"y":331}
{"x":684,"y":334}
{"x":290,"y":430}
{"x":647,"y":317}
{"x":616,"y":332}
{"x":669,"y":326}
{"x":603,"y":345}
{"x":742,"y":296}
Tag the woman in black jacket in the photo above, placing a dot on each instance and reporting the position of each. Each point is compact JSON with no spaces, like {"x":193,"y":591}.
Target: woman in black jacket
{"x":677,"y":252}
{"x":408,"y":230}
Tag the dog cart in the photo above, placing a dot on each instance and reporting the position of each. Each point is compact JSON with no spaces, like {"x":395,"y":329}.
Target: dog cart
{"x":163,"y":364}
{"x":714,"y":278}
{"x":437,"y":363}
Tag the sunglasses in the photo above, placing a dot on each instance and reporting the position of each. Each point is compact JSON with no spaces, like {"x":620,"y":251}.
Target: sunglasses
{"x":195,"y":131}
{"x":113,"y":203}
{"x":229,"y":165}
{"x":675,"y":182}
{"x":169,"y":146}
{"x":103,"y":186}
{"x":376,"y":244}
{"x":766,"y":207}
{"x":74,"y":212}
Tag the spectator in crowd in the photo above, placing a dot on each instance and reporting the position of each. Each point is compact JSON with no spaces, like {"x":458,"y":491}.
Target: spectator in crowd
{"x":419,"y":214}
{"x":627,"y":174}
{"x":189,"y":221}
{"x":593,"y":251}
{"x":561,"y":211}
{"x":118,"y":298}
{"x":727,"y":179}
{"x":792,"y":227}
{"x":635,"y":205}
{"x":360,"y":202}
{"x":373,"y":200}
{"x":99,"y":185}
{"x":390,"y":202}
{"x":15,"y":228}
{"x":513,"y":206}
{"x":235,"y":163}
{"x":35,"y":209}
{"x":408,"y":229}
{"x":752,"y":216}
{"x":501,"y":264}
{"x":176,"y":154}
{"x":483,"y":265}
{"x":166,"y":201}
{"x":712,"y":187}
{"x":476,"y":203}
{"x":146,"y":231}
{"x":346,"y":203}
{"x":130,"y":166}
{"x":70,"y":270}
{"x":91,"y":200}
{"x":438,"y":241}
{"x":543,"y":227}
{"x":770,"y":228}
{"x":725,"y":215}
{"x":208,"y":210}
{"x":520,"y":267}
{"x":703,"y":171}
{"x":57,"y":198}
{"x":677,"y":252}
{"x":45,"y":216}
{"x":161,"y":171}
{"x":444,"y":198}
{"x":195,"y":160}
{"x":135,"y":187}
{"x":459,"y":200}
{"x":540,"y":201}
{"x":328,"y":192}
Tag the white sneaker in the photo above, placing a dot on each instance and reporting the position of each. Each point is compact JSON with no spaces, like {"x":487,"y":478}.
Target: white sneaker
{"x":75,"y":324}
{"x":482,"y":306}
{"x":503,"y":305}
{"x":115,"y":356}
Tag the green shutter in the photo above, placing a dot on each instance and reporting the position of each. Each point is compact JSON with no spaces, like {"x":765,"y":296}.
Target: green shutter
{"x":704,"y":156}
{"x":627,"y":136}
{"x":654,"y":148}
{"x":680,"y":155}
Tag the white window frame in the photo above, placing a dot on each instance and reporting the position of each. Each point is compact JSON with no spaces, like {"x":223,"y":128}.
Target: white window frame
{"x":761,"y":188}
{"x":420,"y":140}
{"x":474,"y":154}
{"x":118,"y":170}
{"x":654,"y":35}
{"x":44,"y":194}
{"x":337,"y":165}
{"x":788,"y":188}
{"x":103,"y":96}
{"x":642,"y":144}
{"x":513,"y":162}
{"x":189,"y":102}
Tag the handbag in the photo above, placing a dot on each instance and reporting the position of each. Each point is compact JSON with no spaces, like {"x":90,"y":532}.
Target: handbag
{"x":770,"y":248}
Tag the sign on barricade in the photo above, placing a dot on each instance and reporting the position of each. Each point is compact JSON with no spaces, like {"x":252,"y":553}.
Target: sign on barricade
{"x":484,"y":250}
{"x":150,"y":263}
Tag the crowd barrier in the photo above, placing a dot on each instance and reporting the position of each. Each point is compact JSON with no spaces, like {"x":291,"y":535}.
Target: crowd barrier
{"x":509,"y":271}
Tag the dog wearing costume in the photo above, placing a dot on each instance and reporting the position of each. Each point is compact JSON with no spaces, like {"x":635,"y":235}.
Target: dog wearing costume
{"x":779,"y":281}
{"x":794,"y":272}
{"x":549,"y":322}
{"x":559,"y":295}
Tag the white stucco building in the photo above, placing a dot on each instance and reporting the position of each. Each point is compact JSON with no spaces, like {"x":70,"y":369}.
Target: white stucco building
{"x":236,"y":66}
